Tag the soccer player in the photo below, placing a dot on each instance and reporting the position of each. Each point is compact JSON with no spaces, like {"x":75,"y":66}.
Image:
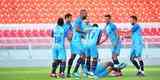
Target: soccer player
{"x":112,"y":33}
{"x":68,"y":26}
{"x":86,"y":28}
{"x":137,"y":46}
{"x":108,"y":69}
{"x":58,"y":51}
{"x":91,"y":51}
{"x":76,"y":45}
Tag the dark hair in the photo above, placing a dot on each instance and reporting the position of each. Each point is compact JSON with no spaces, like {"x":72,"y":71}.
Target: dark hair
{"x":95,"y":25}
{"x":60,"y":21}
{"x":107,"y":64}
{"x":108,"y":15}
{"x":134,"y":17}
{"x":68,"y":15}
{"x":83,"y":10}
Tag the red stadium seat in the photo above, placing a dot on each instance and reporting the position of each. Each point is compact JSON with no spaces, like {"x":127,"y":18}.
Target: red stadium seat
{"x":7,"y":33}
{"x":41,"y":11}
{"x":153,"y":31}
{"x":158,"y":31}
{"x":13,"y":33}
{"x":35,"y":33}
{"x":49,"y":32}
{"x":21,"y":33}
{"x":146,"y":32}
{"x":42,"y":33}
{"x":31,"y":11}
{"x":28,"y":33}
{"x":1,"y":33}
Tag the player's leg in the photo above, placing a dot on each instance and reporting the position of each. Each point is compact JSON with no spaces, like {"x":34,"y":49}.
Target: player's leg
{"x":88,"y":59}
{"x":62,"y":68}
{"x":115,"y":58}
{"x":115,"y":53}
{"x":141,"y":66}
{"x":70,"y":62}
{"x":88,"y":63}
{"x":135,"y":63}
{"x":62,"y":60}
{"x":55,"y":62}
{"x":140,"y":60}
{"x":74,"y":51}
{"x":80,"y":61}
{"x":94,"y":55}
{"x":133,"y":59}
{"x":94,"y":64}
{"x":54,"y":67}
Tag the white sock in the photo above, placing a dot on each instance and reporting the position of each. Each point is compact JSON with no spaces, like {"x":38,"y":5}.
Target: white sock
{"x":142,"y":72}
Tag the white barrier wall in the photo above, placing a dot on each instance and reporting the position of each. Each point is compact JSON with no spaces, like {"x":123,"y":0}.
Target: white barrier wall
{"x":30,"y":56}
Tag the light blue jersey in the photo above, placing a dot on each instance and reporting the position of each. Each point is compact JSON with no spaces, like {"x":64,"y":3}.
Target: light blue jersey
{"x":91,"y":42}
{"x":58,"y":50}
{"x":76,"y":46}
{"x":101,"y":71}
{"x":111,"y":31}
{"x":136,"y":35}
{"x":93,"y":35}
{"x":137,"y":41}
{"x":59,"y":35}
{"x":67,"y":28}
{"x":77,"y":35}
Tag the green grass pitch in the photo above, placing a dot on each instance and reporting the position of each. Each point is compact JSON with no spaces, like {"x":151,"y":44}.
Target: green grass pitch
{"x":34,"y":73}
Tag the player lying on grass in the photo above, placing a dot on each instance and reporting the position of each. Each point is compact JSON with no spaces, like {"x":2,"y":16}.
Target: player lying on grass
{"x":107,"y":69}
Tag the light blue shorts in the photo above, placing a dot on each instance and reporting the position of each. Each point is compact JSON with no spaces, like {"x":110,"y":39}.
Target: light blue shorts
{"x":136,"y":51}
{"x":59,"y":53}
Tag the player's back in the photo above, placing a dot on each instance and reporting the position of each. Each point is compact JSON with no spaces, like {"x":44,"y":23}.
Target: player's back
{"x":58,"y":36}
{"x":92,"y":35}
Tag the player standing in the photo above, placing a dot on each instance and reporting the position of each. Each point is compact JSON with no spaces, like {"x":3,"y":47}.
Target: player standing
{"x":76,"y":45}
{"x":92,"y":37}
{"x":112,"y":33}
{"x":137,"y":46}
{"x":68,"y":26}
{"x":58,"y":51}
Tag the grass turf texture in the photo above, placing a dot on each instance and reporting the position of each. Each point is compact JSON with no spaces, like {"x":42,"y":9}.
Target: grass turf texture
{"x":34,"y":73}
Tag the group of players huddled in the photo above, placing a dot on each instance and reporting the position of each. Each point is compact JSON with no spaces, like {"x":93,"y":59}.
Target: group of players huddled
{"x":84,"y":38}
